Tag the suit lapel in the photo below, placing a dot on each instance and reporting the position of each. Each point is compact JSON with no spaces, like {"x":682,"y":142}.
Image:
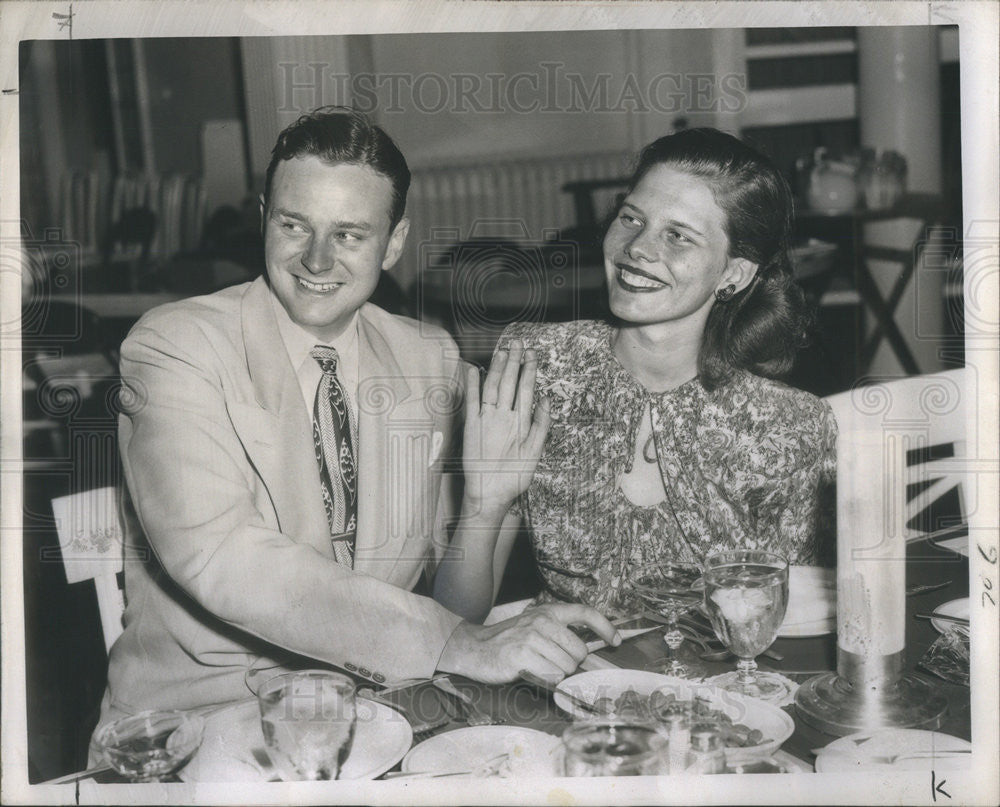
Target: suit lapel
{"x":392,"y":468}
{"x":276,"y":429}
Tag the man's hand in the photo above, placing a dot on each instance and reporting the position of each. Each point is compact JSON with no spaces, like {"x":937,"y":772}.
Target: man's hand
{"x":538,"y":640}
{"x":503,"y":440}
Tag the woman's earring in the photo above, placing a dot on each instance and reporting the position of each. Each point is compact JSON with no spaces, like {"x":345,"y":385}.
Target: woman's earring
{"x":724,"y":295}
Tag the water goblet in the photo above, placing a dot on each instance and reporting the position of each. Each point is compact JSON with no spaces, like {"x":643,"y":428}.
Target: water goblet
{"x":670,"y":590}
{"x":150,"y":746}
{"x":746,"y":594}
{"x":308,"y":722}
{"x":614,"y":747}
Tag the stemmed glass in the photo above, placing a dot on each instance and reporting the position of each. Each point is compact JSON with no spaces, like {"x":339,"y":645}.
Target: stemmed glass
{"x":150,"y":746}
{"x":746,"y":594}
{"x":670,"y":590}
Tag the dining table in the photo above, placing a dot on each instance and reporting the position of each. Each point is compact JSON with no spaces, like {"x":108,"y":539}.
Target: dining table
{"x":935,"y":575}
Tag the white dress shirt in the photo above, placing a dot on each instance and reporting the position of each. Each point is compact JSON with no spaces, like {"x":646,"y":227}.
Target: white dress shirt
{"x":298,"y":342}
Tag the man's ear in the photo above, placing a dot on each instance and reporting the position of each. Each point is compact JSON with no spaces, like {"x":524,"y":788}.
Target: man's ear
{"x":396,"y":242}
{"x":263,"y":215}
{"x":739,"y":272}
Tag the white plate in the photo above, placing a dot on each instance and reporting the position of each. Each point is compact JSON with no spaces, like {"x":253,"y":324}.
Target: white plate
{"x":805,"y":630}
{"x":812,"y":603}
{"x":958,"y":545}
{"x":957,"y":608}
{"x":772,"y":722}
{"x":531,"y":752}
{"x":856,"y":751}
{"x":233,"y":746}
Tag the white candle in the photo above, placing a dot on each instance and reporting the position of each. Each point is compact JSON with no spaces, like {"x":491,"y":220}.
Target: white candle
{"x":871,"y":548}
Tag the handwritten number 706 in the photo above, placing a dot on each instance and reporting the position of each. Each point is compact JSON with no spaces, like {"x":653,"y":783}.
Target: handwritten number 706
{"x":990,"y":557}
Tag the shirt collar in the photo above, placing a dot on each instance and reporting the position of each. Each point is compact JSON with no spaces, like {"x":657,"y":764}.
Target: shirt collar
{"x":298,"y":341}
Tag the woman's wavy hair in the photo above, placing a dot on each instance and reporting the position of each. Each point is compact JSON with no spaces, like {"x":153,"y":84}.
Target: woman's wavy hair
{"x":761,"y":328}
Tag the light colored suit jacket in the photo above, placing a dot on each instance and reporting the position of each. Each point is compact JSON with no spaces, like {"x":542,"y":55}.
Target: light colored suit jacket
{"x":229,"y":563}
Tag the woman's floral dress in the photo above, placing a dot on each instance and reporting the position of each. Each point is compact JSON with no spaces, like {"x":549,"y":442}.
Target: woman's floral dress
{"x":748,"y":466}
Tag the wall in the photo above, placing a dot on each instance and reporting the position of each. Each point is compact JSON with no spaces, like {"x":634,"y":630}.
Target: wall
{"x":471,"y":97}
{"x":190,"y":81}
{"x":463,"y":97}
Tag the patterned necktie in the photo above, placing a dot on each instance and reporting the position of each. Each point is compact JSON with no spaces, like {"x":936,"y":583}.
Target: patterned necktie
{"x":333,"y":438}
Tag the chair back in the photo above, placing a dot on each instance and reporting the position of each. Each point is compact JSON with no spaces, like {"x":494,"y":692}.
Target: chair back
{"x":91,"y":541}
{"x":918,"y":428}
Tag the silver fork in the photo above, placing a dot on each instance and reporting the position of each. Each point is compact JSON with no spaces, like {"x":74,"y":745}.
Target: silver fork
{"x":474,"y":716}
{"x":488,"y":768}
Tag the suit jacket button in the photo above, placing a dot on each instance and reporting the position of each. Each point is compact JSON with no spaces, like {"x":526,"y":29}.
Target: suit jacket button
{"x":364,"y":672}
{"x":378,"y":678}
{"x":351,"y":667}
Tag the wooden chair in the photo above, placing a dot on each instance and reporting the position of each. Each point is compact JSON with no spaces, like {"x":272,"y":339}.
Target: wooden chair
{"x":923,"y":446}
{"x":90,"y":538}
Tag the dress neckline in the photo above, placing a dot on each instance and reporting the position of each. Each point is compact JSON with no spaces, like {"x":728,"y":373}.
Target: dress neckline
{"x":607,"y":345}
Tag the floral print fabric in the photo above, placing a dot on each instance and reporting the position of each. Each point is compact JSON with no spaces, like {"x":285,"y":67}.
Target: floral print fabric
{"x":748,"y":466}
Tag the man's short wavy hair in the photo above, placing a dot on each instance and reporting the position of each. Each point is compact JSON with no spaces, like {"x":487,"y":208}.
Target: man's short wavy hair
{"x":339,"y":135}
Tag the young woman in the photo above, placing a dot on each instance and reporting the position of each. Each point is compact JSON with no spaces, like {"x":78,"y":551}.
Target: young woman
{"x":667,"y":435}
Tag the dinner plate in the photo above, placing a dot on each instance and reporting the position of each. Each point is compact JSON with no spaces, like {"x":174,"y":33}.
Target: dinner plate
{"x":875,"y":750}
{"x":772,"y":722}
{"x":529,"y":752}
{"x":233,"y":750}
{"x":957,"y":608}
{"x":812,"y":603}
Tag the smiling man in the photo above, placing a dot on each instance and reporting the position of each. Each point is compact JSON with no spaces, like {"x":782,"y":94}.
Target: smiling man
{"x":283,"y":444}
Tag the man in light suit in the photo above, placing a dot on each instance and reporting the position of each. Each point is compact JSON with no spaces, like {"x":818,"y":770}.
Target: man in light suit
{"x":231,"y":570}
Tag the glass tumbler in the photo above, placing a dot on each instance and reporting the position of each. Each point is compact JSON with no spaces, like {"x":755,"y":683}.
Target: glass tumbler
{"x":308,"y":722}
{"x":614,"y":747}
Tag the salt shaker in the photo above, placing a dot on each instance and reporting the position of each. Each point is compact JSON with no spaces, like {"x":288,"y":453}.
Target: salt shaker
{"x":678,"y":728}
{"x":706,"y":753}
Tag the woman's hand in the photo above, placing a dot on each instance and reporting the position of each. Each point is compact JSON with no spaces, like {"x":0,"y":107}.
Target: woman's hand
{"x":503,"y":440}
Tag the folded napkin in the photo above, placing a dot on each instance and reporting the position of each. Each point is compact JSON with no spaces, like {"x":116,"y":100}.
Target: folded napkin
{"x":948,"y":657}
{"x":812,"y":596}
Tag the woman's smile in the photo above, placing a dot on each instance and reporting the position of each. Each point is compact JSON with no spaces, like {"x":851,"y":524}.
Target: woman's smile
{"x":633,"y":279}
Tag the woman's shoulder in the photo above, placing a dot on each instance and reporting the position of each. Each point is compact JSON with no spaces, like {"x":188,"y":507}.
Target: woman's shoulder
{"x":772,"y":405}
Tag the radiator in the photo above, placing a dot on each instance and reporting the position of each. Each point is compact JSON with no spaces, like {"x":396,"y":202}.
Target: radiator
{"x":518,"y":199}
{"x":92,"y":201}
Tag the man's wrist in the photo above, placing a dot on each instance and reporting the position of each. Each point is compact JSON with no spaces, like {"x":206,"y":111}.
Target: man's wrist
{"x":451,"y":654}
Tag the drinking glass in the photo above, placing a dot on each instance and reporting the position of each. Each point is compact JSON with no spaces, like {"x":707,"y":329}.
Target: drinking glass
{"x":670,"y":590}
{"x":614,"y":747}
{"x":746,"y":594}
{"x":150,"y":746}
{"x":308,"y":723}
